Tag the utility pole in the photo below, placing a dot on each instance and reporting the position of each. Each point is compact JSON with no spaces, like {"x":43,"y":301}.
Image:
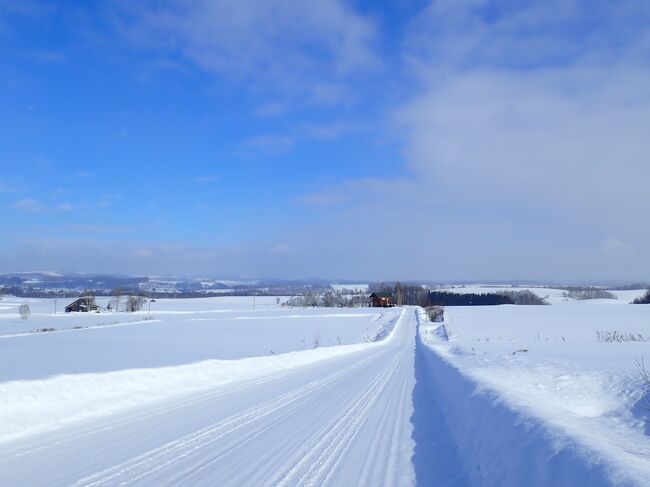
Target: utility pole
{"x":55,"y":306}
{"x":253,"y":302}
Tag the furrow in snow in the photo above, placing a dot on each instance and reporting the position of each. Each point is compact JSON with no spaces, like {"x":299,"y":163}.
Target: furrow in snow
{"x":172,"y":452}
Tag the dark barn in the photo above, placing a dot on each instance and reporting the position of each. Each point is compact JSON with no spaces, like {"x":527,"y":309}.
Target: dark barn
{"x":84,"y":304}
{"x":381,"y":300}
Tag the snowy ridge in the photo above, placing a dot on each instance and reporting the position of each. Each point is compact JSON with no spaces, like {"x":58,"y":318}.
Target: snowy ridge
{"x":512,"y":428}
{"x":75,"y":397}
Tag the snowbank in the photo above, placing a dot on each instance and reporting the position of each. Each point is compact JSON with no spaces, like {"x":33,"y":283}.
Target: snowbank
{"x":526,"y":417}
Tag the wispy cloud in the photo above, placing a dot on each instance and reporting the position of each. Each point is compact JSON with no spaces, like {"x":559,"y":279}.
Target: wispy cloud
{"x":143,"y":253}
{"x":47,"y":56}
{"x":271,"y":109}
{"x":65,"y":207}
{"x":28,"y":205}
{"x":317,"y":39}
{"x":206,"y":179}
{"x":108,"y":199}
{"x":5,"y":188}
{"x":333,"y":130}
{"x":267,"y":145}
{"x":31,"y":205}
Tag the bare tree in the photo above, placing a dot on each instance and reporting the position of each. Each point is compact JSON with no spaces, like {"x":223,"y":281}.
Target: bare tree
{"x":117,"y":296}
{"x":328,"y":299}
{"x":399,"y":294}
{"x":24,"y":311}
{"x":134,"y":303}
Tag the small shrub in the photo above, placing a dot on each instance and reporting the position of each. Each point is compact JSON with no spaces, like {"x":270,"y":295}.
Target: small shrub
{"x":616,"y":337}
{"x":435,"y":313}
{"x":24,"y":311}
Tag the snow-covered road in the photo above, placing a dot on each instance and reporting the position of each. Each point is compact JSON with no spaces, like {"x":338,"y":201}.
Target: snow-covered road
{"x":339,"y":421}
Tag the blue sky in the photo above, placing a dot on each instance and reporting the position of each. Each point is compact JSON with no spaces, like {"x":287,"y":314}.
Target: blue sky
{"x":342,"y":139}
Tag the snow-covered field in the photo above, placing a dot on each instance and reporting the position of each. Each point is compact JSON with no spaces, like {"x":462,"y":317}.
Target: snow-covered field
{"x":96,"y":363}
{"x":223,"y":391}
{"x":547,"y":364}
{"x":236,"y":421}
{"x":550,"y":294}
{"x":178,"y":331}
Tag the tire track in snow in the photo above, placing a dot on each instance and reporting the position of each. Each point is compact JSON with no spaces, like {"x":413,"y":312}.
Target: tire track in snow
{"x":319,"y":462}
{"x":326,"y":462}
{"x":379,"y":468}
{"x":134,"y":417}
{"x":137,"y":468}
{"x":196,"y":469}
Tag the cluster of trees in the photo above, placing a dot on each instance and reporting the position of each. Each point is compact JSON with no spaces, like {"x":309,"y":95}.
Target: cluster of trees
{"x":524,"y":297}
{"x":645,"y":299}
{"x":132,"y":302}
{"x":135,"y":303}
{"x":584,"y":293}
{"x":328,"y":299}
{"x":403,"y":294}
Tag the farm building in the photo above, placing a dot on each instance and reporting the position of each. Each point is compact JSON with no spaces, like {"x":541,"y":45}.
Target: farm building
{"x":84,"y":304}
{"x":381,"y":300}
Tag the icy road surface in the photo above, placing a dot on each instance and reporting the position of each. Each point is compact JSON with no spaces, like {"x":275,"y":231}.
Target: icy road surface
{"x":343,"y":421}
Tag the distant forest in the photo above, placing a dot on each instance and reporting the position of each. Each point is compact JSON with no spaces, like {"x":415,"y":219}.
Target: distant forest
{"x":420,"y":296}
{"x":441,"y":298}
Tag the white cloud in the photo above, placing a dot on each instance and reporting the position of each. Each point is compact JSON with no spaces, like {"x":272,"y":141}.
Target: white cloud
{"x":573,"y":139}
{"x":526,"y":141}
{"x":284,"y":43}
